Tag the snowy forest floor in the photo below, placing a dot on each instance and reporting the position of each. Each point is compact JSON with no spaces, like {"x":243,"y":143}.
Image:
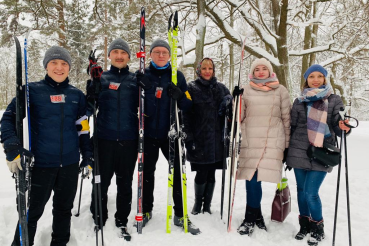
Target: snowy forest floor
{"x":213,"y":230}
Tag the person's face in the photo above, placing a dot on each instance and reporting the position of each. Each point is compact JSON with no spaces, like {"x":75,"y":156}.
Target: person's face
{"x":58,"y":70}
{"x":315,"y":80}
{"x":160,"y":56}
{"x":206,"y":71}
{"x":119,"y":58}
{"x":261,"y":72}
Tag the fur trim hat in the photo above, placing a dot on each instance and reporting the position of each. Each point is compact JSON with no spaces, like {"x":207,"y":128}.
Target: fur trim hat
{"x":261,"y":62}
{"x":315,"y":68}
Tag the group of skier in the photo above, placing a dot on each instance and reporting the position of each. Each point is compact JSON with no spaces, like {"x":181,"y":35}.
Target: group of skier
{"x":60,"y":133}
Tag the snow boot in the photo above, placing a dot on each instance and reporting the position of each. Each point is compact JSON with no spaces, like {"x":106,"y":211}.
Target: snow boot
{"x":190,"y":226}
{"x":260,"y":223}
{"x":316,"y":232}
{"x":199,"y":194}
{"x":124,"y":233}
{"x":248,"y":224}
{"x":304,"y":227}
{"x":208,"y":196}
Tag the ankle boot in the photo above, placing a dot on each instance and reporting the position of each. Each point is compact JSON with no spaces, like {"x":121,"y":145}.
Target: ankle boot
{"x":208,"y":196}
{"x":199,"y":194}
{"x":304,"y":227}
{"x":260,"y":223}
{"x":248,"y":224}
{"x":316,"y":232}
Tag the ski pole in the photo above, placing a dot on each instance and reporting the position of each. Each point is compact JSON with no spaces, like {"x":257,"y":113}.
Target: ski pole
{"x":80,"y":191}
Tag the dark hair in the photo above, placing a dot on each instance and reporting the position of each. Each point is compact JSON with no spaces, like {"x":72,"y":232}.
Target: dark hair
{"x":306,"y":85}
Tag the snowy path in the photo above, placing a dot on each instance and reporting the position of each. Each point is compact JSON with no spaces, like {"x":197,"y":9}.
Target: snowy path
{"x":213,"y":230}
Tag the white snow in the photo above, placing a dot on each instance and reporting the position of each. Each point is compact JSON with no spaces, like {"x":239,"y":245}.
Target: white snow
{"x":213,"y":230}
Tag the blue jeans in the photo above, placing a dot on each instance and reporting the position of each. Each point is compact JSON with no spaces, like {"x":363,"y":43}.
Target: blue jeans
{"x":308,"y":184}
{"x":254,"y":192}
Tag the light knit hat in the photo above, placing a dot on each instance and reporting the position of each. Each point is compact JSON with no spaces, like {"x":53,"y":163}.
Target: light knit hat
{"x":261,"y":62}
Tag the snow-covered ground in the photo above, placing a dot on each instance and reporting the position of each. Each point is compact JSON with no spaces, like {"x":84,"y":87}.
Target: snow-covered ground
{"x":213,"y":230}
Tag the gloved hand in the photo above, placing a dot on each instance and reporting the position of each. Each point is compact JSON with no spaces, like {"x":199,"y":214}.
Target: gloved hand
{"x":288,"y":168}
{"x":190,"y":145}
{"x":86,"y":166}
{"x":94,"y":70}
{"x":285,"y":153}
{"x":175,"y":92}
{"x":225,"y":107}
{"x":143,"y":81}
{"x":13,"y":154}
{"x":237,"y":91}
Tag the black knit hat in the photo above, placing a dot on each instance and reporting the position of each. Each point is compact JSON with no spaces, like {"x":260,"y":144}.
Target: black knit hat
{"x":56,"y":52}
{"x":119,"y":44}
{"x":159,"y":43}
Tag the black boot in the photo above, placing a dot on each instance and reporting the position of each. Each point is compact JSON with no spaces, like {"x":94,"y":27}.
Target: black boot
{"x":248,"y":224}
{"x":260,"y":223}
{"x":199,"y":194}
{"x":208,"y":196}
{"x":316,"y":232}
{"x":304,"y":227}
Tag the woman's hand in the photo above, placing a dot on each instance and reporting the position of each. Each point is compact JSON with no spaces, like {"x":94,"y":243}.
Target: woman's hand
{"x":342,"y":125}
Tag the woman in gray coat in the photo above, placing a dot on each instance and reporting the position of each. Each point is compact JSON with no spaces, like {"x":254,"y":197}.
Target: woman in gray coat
{"x":314,"y":119}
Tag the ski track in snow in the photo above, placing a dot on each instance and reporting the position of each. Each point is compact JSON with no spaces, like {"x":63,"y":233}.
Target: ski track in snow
{"x":213,"y":230}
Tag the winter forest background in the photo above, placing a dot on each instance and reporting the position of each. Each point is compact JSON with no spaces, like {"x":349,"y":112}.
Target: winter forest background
{"x":292,"y":34}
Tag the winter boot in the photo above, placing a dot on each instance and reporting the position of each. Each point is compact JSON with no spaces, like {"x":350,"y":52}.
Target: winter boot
{"x":208,"y":196}
{"x":260,"y":223}
{"x":304,"y":227}
{"x":248,"y":224}
{"x":190,"y":227}
{"x":124,"y":233}
{"x":316,"y":232}
{"x":199,"y":194}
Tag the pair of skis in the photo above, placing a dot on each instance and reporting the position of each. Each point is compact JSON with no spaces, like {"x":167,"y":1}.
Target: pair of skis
{"x":175,"y":133}
{"x":23,"y":178}
{"x":232,"y":143}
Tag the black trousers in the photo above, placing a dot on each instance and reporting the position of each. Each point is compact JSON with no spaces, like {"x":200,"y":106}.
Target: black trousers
{"x":63,"y":182}
{"x":119,"y":158}
{"x":151,"y":155}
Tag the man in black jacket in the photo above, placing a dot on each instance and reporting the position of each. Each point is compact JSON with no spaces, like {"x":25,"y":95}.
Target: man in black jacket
{"x":117,"y":132}
{"x":157,"y":124}
{"x":56,"y":108}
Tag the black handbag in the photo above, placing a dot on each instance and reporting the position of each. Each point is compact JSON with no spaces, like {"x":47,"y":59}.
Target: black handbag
{"x":328,"y":155}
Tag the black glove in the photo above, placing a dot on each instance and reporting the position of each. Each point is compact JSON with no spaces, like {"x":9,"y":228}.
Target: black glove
{"x":175,"y":92}
{"x":288,"y":168}
{"x":285,"y":153}
{"x":86,"y":162}
{"x":14,"y":150}
{"x":190,"y":145}
{"x":225,"y":107}
{"x":237,"y":91}
{"x":143,"y":81}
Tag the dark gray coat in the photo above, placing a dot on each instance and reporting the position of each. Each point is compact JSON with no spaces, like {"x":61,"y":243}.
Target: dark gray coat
{"x":202,"y":123}
{"x":299,"y":142}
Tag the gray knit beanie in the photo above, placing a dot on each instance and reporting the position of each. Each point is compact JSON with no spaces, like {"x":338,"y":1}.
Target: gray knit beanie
{"x":56,"y":52}
{"x":160,"y":43}
{"x":119,"y":44}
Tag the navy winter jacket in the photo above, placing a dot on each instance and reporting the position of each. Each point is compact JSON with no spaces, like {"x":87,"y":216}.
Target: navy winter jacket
{"x":54,"y":110}
{"x":203,"y":124}
{"x":118,"y":102}
{"x":157,"y":108}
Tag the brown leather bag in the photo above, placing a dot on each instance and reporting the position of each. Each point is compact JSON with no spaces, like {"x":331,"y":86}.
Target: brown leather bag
{"x":281,"y":205}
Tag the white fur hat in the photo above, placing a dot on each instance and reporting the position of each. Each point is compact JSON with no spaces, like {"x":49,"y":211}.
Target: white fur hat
{"x":263,"y":62}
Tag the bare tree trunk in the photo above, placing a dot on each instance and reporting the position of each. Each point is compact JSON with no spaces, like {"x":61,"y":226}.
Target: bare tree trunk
{"x":307,"y":38}
{"x":231,"y":54}
{"x":200,"y":30}
{"x":106,"y":41}
{"x":61,"y":23}
{"x":315,"y":35}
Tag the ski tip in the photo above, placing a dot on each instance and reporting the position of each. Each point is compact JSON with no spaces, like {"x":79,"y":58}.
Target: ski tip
{"x":170,"y":21}
{"x":175,"y":20}
{"x":142,"y":9}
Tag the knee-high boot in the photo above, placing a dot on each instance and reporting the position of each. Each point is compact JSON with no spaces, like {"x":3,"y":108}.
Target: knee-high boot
{"x":208,"y":196}
{"x":199,"y":194}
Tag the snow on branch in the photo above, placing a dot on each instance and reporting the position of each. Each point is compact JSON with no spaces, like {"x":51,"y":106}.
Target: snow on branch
{"x":317,"y":49}
{"x":345,"y":54}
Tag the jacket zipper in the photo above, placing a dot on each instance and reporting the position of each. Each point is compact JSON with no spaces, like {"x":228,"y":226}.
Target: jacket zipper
{"x":118,"y":115}
{"x":61,"y":134}
{"x":158,"y":110}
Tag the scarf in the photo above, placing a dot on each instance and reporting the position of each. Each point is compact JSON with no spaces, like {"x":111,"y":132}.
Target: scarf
{"x":316,"y":100}
{"x":267,"y":84}
{"x":160,"y":68}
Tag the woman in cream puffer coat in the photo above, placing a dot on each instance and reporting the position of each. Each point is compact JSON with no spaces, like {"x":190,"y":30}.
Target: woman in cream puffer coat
{"x":265,"y":137}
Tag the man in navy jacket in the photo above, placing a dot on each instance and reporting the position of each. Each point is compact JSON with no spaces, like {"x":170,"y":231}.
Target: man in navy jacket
{"x":157,"y":124}
{"x":56,"y":107}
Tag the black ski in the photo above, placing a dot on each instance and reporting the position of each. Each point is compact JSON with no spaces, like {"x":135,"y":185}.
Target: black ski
{"x":21,"y":177}
{"x":140,"y":158}
{"x":95,"y":71}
